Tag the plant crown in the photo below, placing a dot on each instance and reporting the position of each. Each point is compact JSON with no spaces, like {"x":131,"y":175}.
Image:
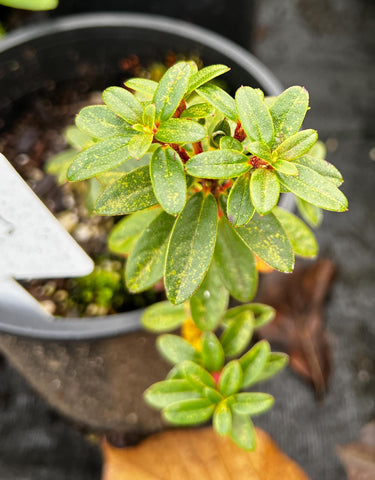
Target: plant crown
{"x":198,"y":175}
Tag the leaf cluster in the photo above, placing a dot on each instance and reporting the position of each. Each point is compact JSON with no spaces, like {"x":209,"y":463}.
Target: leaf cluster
{"x":198,"y":174}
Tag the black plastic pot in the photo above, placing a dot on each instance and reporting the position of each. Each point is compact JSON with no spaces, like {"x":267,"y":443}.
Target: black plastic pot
{"x":95,"y":370}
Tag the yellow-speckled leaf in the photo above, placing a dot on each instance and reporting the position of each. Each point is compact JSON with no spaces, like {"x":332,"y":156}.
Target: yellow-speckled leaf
{"x":218,"y":164}
{"x":145,"y":265}
{"x":322,"y":167}
{"x":264,"y":190}
{"x":240,"y":208}
{"x":171,"y":89}
{"x":300,"y":236}
{"x":139,"y":145}
{"x":142,"y":85}
{"x":297,"y":145}
{"x":130,"y":193}
{"x":283,"y":166}
{"x":242,"y":432}
{"x":191,"y":247}
{"x":58,"y":165}
{"x":100,"y":157}
{"x":168,"y":179}
{"x":231,"y":378}
{"x":255,"y":117}
{"x":124,"y":104}
{"x":315,"y":189}
{"x":180,"y":130}
{"x":235,"y":262}
{"x":127,"y":231}
{"x":205,"y":75}
{"x":266,"y":238}
{"x":219,"y":99}
{"x":288,"y":112}
{"x":253,"y":362}
{"x":77,"y":138}
{"x":99,"y":121}
{"x":199,"y":110}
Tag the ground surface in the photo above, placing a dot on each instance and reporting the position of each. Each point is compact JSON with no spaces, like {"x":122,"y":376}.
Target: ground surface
{"x":327,"y":46}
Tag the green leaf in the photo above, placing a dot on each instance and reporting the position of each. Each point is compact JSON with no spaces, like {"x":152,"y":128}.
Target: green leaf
{"x":102,"y":156}
{"x":143,"y":85}
{"x":163,"y":317}
{"x":260,"y":149}
{"x":322,"y":167}
{"x":205,"y":75}
{"x":58,"y":165}
{"x":253,"y":363}
{"x":198,"y":377}
{"x":210,"y":301}
{"x":300,"y":236}
{"x":199,"y":110}
{"x":180,"y":130}
{"x":222,"y":418}
{"x":130,"y":193}
{"x":139,"y":144}
{"x":238,"y":332}
{"x":283,"y":166}
{"x":191,"y":247}
{"x":252,"y":403}
{"x":170,"y":90}
{"x":162,"y":394}
{"x":31,"y":4}
{"x":319,"y":150}
{"x":310,"y":213}
{"x":149,"y":116}
{"x":242,"y":432}
{"x":230,"y":143}
{"x":297,"y":145}
{"x":235,"y":262}
{"x":127,"y":231}
{"x":168,"y":179}
{"x":315,"y":189}
{"x":100,"y":122}
{"x":263,"y":314}
{"x":266,"y":238}
{"x":175,"y":349}
{"x":145,"y":265}
{"x":264,"y":190}
{"x":288,"y":111}
{"x":231,"y":378}
{"x":255,"y":117}
{"x":213,"y":395}
{"x":189,"y":412}
{"x":220,"y":130}
{"x":77,"y":138}
{"x":124,"y":104}
{"x":212,"y":352}
{"x":276,"y":361}
{"x":218,"y":164}
{"x":219,"y":99}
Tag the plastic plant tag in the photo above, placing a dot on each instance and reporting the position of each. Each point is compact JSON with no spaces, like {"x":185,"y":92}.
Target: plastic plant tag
{"x":33,"y":244}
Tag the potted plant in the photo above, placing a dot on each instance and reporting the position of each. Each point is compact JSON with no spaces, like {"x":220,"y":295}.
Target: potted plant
{"x":227,"y":160}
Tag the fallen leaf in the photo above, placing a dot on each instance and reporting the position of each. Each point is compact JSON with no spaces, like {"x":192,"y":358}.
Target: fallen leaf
{"x":359,"y":457}
{"x":298,"y":328}
{"x":197,"y":454}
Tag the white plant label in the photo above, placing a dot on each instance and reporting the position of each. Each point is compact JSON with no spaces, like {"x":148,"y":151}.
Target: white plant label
{"x":33,"y":244}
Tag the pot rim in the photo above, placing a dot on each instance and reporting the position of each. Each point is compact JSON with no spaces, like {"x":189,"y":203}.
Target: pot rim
{"x":39,"y":324}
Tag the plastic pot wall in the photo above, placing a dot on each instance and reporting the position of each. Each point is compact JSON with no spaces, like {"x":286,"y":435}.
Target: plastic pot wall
{"x":95,"y":370}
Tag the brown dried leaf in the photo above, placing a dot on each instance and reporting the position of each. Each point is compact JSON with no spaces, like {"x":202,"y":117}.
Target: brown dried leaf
{"x":198,"y":454}
{"x":298,"y":328}
{"x":359,"y":457}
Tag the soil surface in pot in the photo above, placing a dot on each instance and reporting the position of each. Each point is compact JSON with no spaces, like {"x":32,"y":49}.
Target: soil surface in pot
{"x":33,"y":135}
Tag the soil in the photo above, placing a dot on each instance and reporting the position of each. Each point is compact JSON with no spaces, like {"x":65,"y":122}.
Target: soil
{"x":35,"y":134}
